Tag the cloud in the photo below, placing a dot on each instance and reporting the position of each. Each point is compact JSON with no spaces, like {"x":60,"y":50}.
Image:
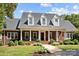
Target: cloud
{"x":21,"y":11}
{"x":59,"y":11}
{"x":75,"y":12}
{"x":46,"y":4}
{"x":75,"y":7}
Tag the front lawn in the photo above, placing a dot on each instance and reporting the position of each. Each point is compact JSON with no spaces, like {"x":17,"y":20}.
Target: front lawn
{"x":18,"y":50}
{"x":69,"y":47}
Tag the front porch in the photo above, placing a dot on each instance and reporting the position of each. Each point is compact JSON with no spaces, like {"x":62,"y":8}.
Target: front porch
{"x":33,"y":35}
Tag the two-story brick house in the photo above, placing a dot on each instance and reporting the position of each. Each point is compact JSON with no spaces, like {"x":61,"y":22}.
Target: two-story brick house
{"x":38,"y":26}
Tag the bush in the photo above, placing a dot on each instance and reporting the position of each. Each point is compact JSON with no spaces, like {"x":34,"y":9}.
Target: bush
{"x":37,"y":44}
{"x":75,"y":41}
{"x":20,"y":42}
{"x":1,"y":43}
{"x":55,"y":43}
{"x":16,"y":43}
{"x":27,"y":43}
{"x":37,"y":40}
{"x":51,"y":41}
{"x":11,"y":43}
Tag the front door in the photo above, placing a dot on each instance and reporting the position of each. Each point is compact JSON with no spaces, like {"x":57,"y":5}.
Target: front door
{"x":42,"y":36}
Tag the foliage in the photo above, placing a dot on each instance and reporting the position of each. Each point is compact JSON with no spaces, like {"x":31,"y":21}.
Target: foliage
{"x":1,"y":43}
{"x":51,"y":41}
{"x":20,"y":42}
{"x":11,"y":43}
{"x":27,"y":43}
{"x":69,"y":47}
{"x":55,"y":43}
{"x":73,"y":18}
{"x":37,"y":40}
{"x":76,"y":41}
{"x":6,"y":9}
{"x":37,"y":44}
{"x":16,"y":43}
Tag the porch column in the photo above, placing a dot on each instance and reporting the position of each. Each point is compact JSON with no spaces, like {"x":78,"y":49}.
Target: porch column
{"x":57,"y":36}
{"x":30,"y":35}
{"x":48,"y":35}
{"x":44,"y":36}
{"x":21,"y":35}
{"x":39,"y":36}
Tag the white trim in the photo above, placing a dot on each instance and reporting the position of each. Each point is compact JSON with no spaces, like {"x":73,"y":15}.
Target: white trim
{"x":57,"y":36}
{"x":42,"y":20}
{"x":21,"y":35}
{"x":48,"y":35}
{"x":30,"y":36}
{"x":29,"y":16}
{"x":39,"y":35}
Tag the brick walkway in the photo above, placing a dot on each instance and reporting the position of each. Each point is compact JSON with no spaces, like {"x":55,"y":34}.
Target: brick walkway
{"x":51,"y":48}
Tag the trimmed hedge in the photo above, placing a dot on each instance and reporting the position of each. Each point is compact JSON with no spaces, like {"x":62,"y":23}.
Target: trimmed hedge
{"x":11,"y":43}
{"x":20,"y":42}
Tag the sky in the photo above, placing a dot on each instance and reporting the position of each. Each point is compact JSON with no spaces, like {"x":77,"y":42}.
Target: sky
{"x":57,"y":8}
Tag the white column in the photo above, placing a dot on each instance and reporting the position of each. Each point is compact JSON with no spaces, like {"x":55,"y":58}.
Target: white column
{"x":57,"y":36}
{"x":21,"y":35}
{"x":30,"y":35}
{"x":39,"y":36}
{"x":44,"y":36}
{"x":48,"y":35}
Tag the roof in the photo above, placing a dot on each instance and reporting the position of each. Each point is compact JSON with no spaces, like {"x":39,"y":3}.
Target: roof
{"x":11,"y":24}
{"x":67,"y":25}
{"x":37,"y":17}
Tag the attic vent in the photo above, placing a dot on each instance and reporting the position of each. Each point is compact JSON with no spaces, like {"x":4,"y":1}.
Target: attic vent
{"x":26,"y":22}
{"x":39,"y":22}
{"x":50,"y":23}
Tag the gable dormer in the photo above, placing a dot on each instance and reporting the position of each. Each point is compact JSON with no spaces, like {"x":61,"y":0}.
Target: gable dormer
{"x":30,"y":19}
{"x":43,"y":20}
{"x":55,"y":20}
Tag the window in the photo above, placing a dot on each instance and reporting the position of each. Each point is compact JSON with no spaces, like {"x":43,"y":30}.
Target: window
{"x":26,"y":35}
{"x":30,"y":20}
{"x":56,"y":20}
{"x":35,"y":35}
{"x":16,"y":35}
{"x":43,"y":21}
{"x":68,"y":35}
{"x":8,"y":34}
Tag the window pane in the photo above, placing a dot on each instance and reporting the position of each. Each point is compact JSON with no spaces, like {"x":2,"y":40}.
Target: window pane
{"x":43,"y":20}
{"x":56,"y":20}
{"x":30,"y":20}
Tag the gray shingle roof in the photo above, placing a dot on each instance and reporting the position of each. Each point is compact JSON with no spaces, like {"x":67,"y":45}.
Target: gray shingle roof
{"x":67,"y":25}
{"x":11,"y":24}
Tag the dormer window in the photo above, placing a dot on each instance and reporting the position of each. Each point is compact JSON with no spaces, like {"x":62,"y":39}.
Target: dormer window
{"x":56,"y":20}
{"x":43,"y":21}
{"x":30,"y":20}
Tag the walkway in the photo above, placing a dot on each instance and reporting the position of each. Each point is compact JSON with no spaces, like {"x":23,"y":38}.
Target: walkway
{"x":51,"y":48}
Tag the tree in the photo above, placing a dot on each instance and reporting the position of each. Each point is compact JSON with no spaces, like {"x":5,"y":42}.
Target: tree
{"x":6,"y":9}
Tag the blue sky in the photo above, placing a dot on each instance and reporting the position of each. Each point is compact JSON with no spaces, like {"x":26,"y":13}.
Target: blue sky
{"x":58,"y":8}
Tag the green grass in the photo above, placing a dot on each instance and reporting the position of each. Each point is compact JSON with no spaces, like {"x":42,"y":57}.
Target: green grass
{"x":18,"y":50}
{"x":69,"y":47}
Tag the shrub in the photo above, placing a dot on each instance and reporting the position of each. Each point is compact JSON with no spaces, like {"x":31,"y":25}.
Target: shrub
{"x":11,"y":43}
{"x":27,"y":43}
{"x":37,"y":44}
{"x":75,"y":41}
{"x":1,"y":43}
{"x":71,"y":43}
{"x":20,"y":42}
{"x":16,"y":43}
{"x":55,"y":43}
{"x":37,"y":40}
{"x":51,"y":41}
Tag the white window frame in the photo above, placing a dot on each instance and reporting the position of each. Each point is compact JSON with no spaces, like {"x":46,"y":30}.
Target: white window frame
{"x":25,"y":34}
{"x":42,"y":21}
{"x":29,"y":16}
